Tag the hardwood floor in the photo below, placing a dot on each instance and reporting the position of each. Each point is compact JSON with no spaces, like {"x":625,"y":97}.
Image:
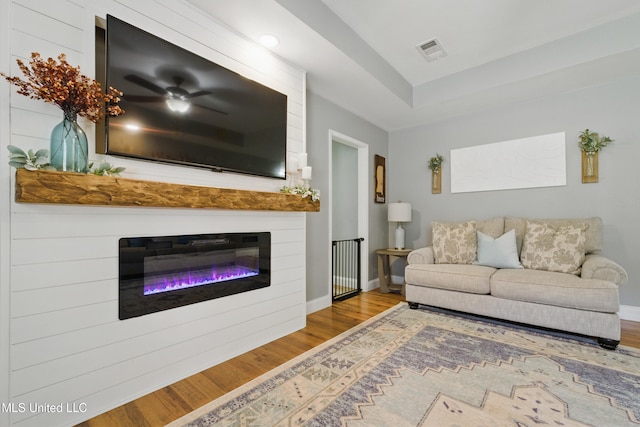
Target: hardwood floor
{"x":630,"y":333}
{"x":170,"y":403}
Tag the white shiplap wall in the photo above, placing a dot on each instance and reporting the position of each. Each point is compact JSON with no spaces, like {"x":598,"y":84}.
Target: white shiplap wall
{"x":61,"y":338}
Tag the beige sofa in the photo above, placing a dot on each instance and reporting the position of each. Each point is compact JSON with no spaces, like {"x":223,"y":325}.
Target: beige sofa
{"x":559,"y":279}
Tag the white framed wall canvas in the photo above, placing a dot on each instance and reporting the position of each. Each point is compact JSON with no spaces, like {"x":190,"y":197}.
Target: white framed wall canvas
{"x":537,"y":161}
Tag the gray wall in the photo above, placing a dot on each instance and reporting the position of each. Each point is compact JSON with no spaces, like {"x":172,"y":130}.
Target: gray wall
{"x":345,"y":192}
{"x":322,"y":116}
{"x":611,"y":109}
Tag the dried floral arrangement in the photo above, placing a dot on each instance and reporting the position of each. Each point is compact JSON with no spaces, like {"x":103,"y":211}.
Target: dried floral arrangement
{"x":59,"y":83}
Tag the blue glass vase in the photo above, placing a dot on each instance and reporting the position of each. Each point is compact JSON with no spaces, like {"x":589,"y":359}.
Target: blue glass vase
{"x":69,"y":149}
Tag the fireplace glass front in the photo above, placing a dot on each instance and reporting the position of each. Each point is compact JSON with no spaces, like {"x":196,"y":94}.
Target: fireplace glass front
{"x":159,"y":273}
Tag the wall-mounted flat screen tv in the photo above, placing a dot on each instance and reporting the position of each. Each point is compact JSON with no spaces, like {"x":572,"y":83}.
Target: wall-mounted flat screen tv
{"x":182,"y":108}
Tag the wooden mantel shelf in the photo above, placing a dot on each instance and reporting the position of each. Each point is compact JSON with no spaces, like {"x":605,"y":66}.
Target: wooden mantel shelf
{"x":80,"y":189}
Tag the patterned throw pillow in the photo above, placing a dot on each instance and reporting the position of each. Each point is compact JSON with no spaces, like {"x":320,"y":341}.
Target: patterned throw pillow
{"x":454,"y":243}
{"x":549,"y":248}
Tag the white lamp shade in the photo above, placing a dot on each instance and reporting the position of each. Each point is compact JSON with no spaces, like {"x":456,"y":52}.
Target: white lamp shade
{"x":399,"y":212}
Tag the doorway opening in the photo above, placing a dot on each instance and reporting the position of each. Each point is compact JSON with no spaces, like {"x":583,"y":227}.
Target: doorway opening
{"x":349,"y":223}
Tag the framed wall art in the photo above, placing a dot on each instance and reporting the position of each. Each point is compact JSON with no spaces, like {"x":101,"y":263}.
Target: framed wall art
{"x":380,"y":179}
{"x":537,"y":161}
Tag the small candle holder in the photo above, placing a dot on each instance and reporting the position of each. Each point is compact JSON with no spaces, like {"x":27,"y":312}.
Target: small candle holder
{"x":299,"y":172}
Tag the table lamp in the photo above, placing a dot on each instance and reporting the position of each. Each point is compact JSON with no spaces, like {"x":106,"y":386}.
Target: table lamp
{"x":399,"y":212}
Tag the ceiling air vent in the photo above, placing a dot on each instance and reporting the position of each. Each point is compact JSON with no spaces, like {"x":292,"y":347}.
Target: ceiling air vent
{"x":431,"y":49}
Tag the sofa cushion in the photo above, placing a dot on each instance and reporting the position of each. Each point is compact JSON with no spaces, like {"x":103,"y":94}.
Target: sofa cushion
{"x":593,"y":245}
{"x":455,"y":277}
{"x":454,"y":243}
{"x":550,"y":248}
{"x":557,"y":289}
{"x":501,"y":252}
{"x":493,"y":227}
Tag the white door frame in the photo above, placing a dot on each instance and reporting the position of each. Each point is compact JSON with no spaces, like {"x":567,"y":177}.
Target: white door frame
{"x":363,"y":201}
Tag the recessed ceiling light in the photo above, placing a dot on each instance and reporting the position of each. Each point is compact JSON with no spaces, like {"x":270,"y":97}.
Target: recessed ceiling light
{"x":268,"y":40}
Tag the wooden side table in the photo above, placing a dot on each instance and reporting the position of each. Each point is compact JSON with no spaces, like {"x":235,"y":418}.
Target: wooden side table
{"x":384,"y":269}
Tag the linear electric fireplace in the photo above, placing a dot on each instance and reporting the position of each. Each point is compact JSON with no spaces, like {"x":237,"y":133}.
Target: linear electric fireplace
{"x":159,"y":273}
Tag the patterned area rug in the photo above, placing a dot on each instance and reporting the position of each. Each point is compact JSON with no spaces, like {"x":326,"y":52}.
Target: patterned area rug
{"x":422,"y":368}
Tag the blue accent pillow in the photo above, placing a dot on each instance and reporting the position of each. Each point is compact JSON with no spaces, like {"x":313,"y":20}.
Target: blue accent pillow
{"x":498,"y":253}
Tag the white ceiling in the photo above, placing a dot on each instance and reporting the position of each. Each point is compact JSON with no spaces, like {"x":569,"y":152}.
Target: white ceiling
{"x":361,"y":54}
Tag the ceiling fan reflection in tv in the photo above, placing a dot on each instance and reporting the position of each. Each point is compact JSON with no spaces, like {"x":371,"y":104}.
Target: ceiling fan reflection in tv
{"x":176,"y":98}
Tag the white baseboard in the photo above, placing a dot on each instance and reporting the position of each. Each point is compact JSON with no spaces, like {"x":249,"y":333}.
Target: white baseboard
{"x":629,"y":312}
{"x":373,"y":284}
{"x":318,"y":304}
{"x":326,"y":301}
{"x":349,"y":282}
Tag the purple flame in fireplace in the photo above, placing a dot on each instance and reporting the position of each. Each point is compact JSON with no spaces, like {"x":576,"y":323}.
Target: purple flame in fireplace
{"x":190,"y":279}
